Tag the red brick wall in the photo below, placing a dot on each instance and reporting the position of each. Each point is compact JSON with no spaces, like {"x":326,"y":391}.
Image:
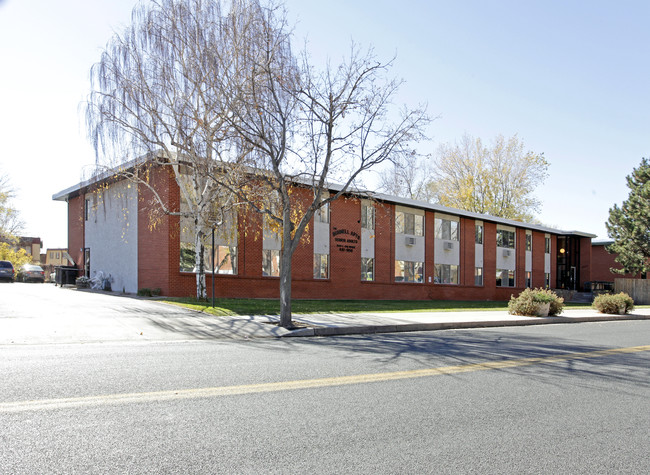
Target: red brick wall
{"x":155,"y":233}
{"x":602,"y":261}
{"x":159,"y":255}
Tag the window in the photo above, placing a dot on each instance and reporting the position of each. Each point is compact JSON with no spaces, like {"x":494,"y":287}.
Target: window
{"x":409,"y":223}
{"x":367,"y":216}
{"x":478,"y":276}
{"x":408,"y":271}
{"x":271,"y":262}
{"x":321,"y":266}
{"x":529,"y":279}
{"x":505,"y":278}
{"x":505,"y":239}
{"x":367,"y":268}
{"x":446,"y":274}
{"x":547,"y":280}
{"x":322,"y":214}
{"x":547,"y":245}
{"x":529,"y":242}
{"x":86,"y":209}
{"x":225,"y":258}
{"x":446,"y":229}
{"x":478,"y":234}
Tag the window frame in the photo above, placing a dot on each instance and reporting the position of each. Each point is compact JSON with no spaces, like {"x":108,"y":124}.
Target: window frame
{"x":506,"y":239}
{"x":410,"y":224}
{"x":510,"y":278}
{"x":268,"y":256}
{"x":364,"y":269}
{"x":319,"y":259}
{"x":367,"y":216}
{"x":478,"y":275}
{"x":409,"y":267}
{"x":447,"y":229}
{"x":478,"y":234}
{"x":443,"y":271}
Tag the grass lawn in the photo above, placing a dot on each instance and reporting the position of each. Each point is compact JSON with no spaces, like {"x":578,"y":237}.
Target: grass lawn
{"x":272,"y":306}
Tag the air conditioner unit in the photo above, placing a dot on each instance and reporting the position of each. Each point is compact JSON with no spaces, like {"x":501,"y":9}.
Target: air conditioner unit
{"x":410,"y":241}
{"x":448,"y":246}
{"x":506,"y":252}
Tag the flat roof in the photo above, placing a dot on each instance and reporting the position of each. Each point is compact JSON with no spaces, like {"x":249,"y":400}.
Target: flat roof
{"x":63,"y":195}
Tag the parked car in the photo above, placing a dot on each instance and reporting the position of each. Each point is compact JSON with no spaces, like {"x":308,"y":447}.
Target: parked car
{"x":6,"y":271}
{"x":31,"y":273}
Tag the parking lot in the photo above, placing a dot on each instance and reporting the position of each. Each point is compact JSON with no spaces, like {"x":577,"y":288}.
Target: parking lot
{"x":42,"y":313}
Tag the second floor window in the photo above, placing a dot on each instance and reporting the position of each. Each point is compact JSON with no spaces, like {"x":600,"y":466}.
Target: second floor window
{"x":322,"y":215}
{"x":446,"y":229}
{"x":367,"y":216}
{"x":505,"y":239}
{"x":478,"y":234}
{"x":409,"y":223}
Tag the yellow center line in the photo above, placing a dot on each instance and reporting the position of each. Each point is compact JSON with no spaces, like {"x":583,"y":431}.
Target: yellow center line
{"x":157,"y":396}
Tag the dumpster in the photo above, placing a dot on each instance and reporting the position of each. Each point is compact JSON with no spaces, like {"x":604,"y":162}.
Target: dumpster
{"x":65,"y":275}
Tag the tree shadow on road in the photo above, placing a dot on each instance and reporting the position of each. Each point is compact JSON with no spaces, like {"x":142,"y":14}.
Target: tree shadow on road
{"x":463,"y":347}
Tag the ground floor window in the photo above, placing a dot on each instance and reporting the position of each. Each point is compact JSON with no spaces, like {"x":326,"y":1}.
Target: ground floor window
{"x":321,"y":266}
{"x":408,"y":271}
{"x":271,"y":262}
{"x":529,"y":279}
{"x":225,"y":259}
{"x":445,"y":274}
{"x":505,"y":278}
{"x":478,"y":276}
{"x":367,"y":268}
{"x":547,"y":280}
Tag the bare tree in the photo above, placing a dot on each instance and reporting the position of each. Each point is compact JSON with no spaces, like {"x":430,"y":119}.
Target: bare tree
{"x":156,"y":100}
{"x":409,"y":178}
{"x":306,"y":128}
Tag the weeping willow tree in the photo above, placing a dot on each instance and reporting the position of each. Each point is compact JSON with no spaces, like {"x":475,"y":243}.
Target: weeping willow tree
{"x":213,"y":91}
{"x":156,"y":101}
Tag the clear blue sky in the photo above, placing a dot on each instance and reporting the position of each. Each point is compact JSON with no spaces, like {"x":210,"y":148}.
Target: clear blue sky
{"x":571,"y":78}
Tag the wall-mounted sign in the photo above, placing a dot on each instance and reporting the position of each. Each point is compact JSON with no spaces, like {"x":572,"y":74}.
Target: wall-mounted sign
{"x":345,"y":240}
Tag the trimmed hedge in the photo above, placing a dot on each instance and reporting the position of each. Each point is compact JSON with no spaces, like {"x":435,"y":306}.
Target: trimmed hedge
{"x":614,"y":303}
{"x":528,"y":301}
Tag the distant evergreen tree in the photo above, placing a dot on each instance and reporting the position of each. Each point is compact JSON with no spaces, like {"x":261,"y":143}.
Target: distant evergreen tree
{"x":629,"y":225}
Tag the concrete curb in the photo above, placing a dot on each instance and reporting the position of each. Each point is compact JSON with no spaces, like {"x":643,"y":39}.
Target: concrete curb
{"x":416,"y":327}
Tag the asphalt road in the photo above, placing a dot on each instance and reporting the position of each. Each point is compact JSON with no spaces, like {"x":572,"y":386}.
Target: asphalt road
{"x":551,"y":399}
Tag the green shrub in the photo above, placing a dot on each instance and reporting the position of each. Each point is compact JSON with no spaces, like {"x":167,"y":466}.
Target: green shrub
{"x":145,"y":292}
{"x":614,"y":304}
{"x":527,"y":302}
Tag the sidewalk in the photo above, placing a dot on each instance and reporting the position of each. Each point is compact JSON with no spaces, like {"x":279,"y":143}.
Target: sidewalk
{"x":356,"y":323}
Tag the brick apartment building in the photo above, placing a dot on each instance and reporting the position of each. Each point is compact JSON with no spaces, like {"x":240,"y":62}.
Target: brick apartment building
{"x":385,"y":248}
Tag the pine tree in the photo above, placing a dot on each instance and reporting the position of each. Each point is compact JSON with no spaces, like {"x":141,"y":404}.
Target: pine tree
{"x":629,"y":225}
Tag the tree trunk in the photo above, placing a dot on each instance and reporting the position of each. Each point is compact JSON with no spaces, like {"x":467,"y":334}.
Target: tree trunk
{"x":199,"y":265}
{"x":285,"y":289}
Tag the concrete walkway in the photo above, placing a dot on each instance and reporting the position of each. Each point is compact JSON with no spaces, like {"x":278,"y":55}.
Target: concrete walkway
{"x":355,"y":323}
{"x":44,"y":314}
